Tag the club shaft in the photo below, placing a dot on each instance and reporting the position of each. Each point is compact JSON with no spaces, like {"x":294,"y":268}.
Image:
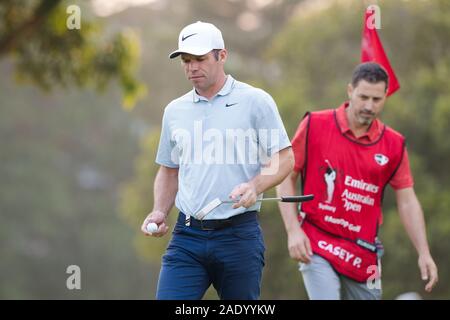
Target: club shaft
{"x":282,"y":199}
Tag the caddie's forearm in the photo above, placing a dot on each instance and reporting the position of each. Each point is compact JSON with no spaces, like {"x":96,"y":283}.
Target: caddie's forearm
{"x":165,"y":189}
{"x":288,"y":210}
{"x":280,"y":165}
{"x":411,"y":215}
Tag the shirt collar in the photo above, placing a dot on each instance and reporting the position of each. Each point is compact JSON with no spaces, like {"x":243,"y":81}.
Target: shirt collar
{"x":226,"y":89}
{"x":371,"y":135}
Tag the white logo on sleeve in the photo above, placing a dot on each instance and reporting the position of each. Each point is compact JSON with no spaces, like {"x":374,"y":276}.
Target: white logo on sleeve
{"x":381,"y":159}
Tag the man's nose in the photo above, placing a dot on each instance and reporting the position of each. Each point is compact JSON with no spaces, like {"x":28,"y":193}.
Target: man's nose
{"x":369,"y":105}
{"x":192,"y":65}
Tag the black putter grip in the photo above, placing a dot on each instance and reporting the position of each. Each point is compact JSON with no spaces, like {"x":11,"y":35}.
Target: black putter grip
{"x":297,"y":198}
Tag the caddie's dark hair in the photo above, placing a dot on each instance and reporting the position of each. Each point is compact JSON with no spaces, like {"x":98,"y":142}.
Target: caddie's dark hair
{"x":371,"y":72}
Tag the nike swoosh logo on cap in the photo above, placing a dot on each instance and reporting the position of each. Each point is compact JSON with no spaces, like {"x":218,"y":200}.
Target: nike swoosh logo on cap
{"x":185,"y":37}
{"x":230,"y":104}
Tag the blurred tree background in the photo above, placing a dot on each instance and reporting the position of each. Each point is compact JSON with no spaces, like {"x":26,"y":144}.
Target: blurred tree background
{"x":79,"y":136}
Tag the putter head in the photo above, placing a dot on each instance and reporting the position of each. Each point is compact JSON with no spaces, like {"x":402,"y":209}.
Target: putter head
{"x":208,"y":208}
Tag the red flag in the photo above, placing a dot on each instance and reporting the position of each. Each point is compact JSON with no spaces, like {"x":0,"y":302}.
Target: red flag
{"x":372,"y":50}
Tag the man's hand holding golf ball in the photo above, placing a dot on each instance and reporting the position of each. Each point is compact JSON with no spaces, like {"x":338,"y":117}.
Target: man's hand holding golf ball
{"x":155,"y":224}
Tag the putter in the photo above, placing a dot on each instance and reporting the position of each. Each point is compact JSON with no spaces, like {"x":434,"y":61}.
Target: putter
{"x":217,"y":202}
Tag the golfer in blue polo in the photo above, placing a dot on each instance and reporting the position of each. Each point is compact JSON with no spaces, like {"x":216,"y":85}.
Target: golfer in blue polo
{"x":225,"y":140}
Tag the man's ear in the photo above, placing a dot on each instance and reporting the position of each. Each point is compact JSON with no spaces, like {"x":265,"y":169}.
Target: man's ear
{"x":349,"y":90}
{"x":223,"y":55}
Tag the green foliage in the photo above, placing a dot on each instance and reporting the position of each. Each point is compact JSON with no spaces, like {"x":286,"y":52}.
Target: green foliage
{"x":61,"y":168}
{"x":49,"y":55}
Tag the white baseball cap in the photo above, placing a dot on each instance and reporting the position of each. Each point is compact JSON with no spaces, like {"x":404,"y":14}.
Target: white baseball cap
{"x":198,"y":39}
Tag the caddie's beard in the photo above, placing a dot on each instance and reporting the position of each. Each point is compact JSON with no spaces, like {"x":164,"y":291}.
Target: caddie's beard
{"x":364,"y":118}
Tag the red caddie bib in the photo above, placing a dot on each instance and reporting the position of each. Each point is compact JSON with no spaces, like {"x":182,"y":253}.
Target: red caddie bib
{"x":348,"y":180}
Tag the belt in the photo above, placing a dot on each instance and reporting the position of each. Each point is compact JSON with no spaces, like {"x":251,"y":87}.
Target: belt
{"x":216,"y":224}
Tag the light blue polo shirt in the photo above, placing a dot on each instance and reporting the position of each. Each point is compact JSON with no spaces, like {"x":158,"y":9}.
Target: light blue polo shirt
{"x":219,"y":143}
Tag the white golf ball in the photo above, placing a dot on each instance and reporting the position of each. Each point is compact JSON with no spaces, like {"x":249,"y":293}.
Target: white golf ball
{"x":152,"y":227}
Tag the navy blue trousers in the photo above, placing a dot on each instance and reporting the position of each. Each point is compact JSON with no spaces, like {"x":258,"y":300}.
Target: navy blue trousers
{"x":231,"y":259}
